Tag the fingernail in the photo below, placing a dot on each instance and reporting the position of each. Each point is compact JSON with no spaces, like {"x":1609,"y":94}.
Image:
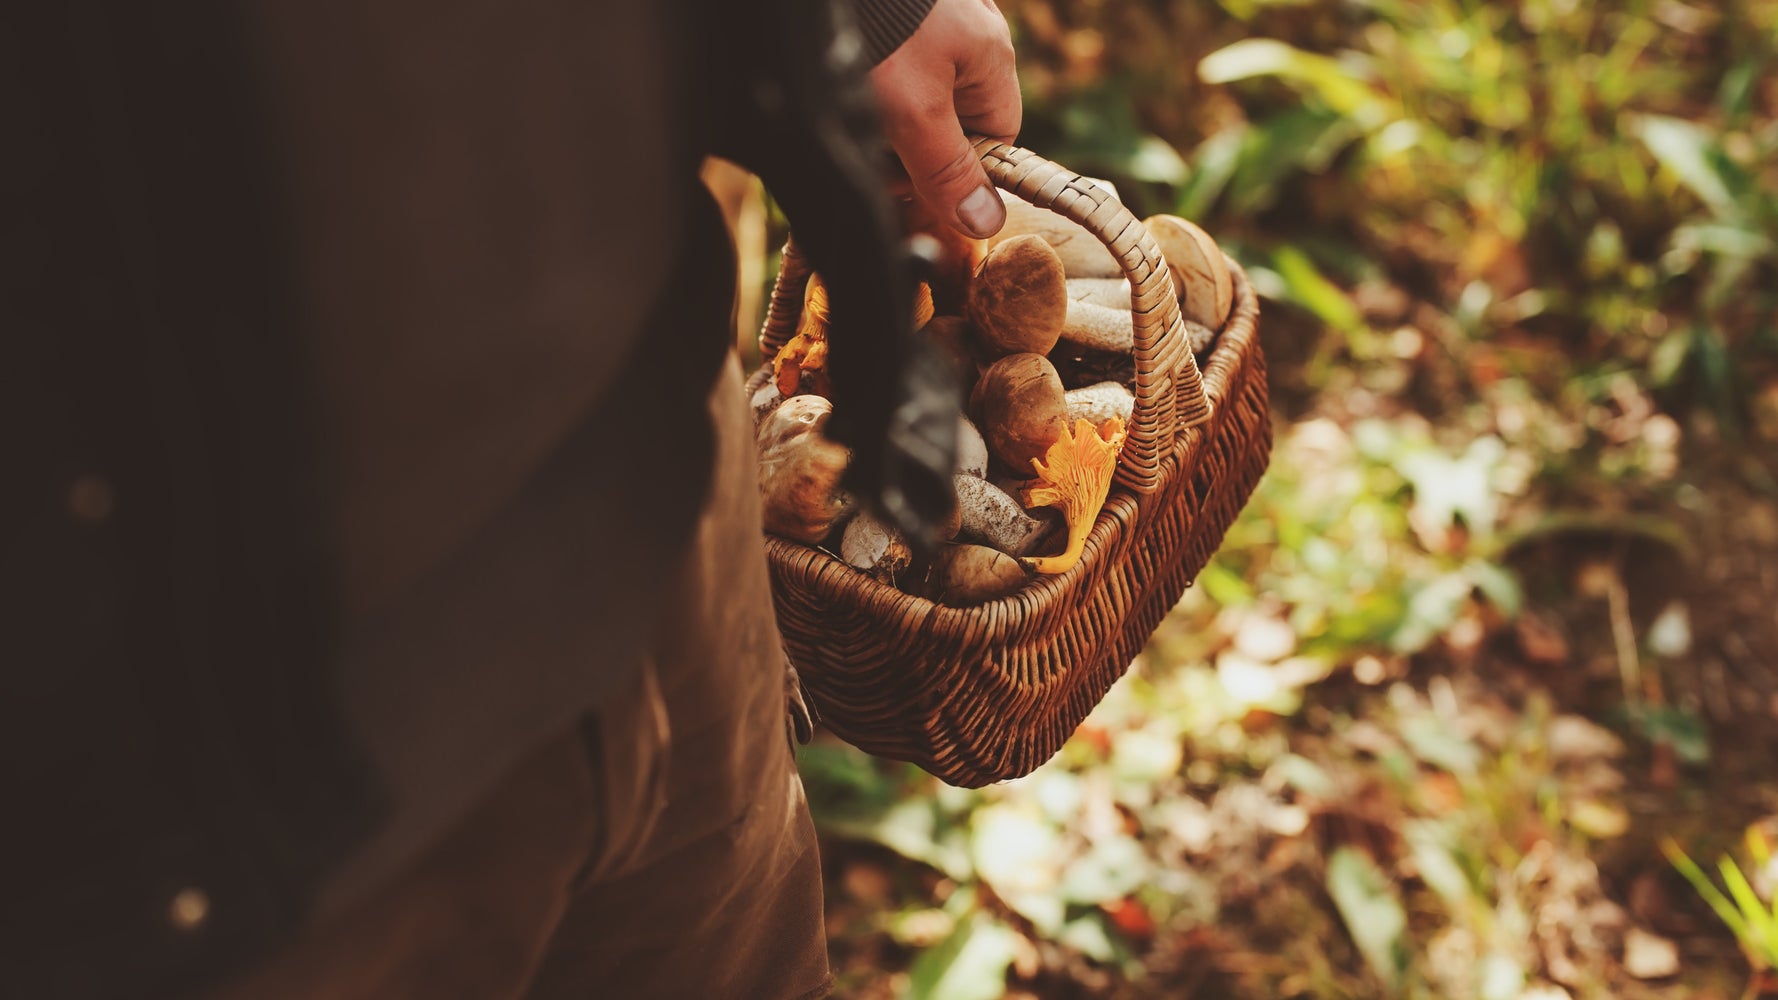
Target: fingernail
{"x":982,"y":213}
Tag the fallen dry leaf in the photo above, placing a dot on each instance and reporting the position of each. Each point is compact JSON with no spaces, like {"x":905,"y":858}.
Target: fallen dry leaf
{"x":1649,"y":956}
{"x":1540,"y":640}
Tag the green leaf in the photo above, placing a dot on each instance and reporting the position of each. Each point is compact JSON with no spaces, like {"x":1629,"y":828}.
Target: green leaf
{"x":845,"y":780}
{"x":1249,"y":163}
{"x":1682,"y":730}
{"x":1432,"y":609}
{"x":1745,"y":898}
{"x":1305,"y":286}
{"x":1435,"y":743}
{"x":971,"y":964}
{"x":1448,"y":488}
{"x":1157,"y":162}
{"x":1113,"y":869}
{"x":912,"y":829}
{"x":1687,"y":150}
{"x":1224,"y":586}
{"x":1725,"y":910}
{"x":1330,"y":80}
{"x":1500,"y":977}
{"x":1017,"y":852}
{"x":1498,"y":584}
{"x":1304,"y":775}
{"x":1429,"y":841}
{"x":1735,"y":95}
{"x":1725,"y":238}
{"x":1213,"y":164}
{"x":1089,"y":936}
{"x":1717,"y":371}
{"x":1667,"y":360}
{"x":1372,"y":911}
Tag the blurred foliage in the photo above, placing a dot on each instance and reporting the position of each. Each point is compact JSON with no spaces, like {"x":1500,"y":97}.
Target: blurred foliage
{"x":1498,"y":620}
{"x":1751,"y":914}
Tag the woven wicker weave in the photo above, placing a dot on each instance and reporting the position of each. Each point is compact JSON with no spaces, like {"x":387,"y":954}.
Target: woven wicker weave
{"x":977,"y":695}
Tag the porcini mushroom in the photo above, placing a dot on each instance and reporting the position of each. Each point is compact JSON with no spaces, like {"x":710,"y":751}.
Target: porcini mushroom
{"x":1022,"y":409}
{"x":1083,"y":254}
{"x":1111,"y":292}
{"x":799,"y":486}
{"x":992,"y":516}
{"x":794,"y":417}
{"x":968,"y":575}
{"x":1019,"y":297}
{"x":1112,"y":329}
{"x":1101,"y":328}
{"x":1201,"y":277}
{"x":875,"y":547}
{"x":799,"y":471}
{"x":1100,"y":402}
{"x":766,"y":399}
{"x":972,"y":450}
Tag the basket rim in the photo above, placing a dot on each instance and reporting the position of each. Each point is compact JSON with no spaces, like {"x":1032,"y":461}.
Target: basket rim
{"x":1119,"y":520}
{"x":1168,"y":385}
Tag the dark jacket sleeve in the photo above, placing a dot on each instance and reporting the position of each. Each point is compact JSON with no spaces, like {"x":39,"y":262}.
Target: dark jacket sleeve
{"x":885,"y":24}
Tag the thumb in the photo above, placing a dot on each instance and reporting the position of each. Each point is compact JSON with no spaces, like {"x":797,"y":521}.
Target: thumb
{"x":948,"y":175}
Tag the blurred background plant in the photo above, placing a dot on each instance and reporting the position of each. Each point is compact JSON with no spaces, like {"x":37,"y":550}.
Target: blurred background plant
{"x":1500,"y":619}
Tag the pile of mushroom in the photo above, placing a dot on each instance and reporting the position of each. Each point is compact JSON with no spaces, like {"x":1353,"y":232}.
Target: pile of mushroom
{"x":1038,"y":322}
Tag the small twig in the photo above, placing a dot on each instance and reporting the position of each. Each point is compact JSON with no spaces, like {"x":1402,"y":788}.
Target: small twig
{"x":1623,"y":636}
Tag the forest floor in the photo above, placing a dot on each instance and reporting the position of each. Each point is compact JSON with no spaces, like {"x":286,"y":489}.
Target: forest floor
{"x":1481,"y":817}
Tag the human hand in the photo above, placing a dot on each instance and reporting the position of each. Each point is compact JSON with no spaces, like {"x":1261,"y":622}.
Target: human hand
{"x":955,"y":73}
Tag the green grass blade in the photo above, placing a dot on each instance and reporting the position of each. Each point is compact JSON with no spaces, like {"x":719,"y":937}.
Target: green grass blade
{"x":1761,"y":940}
{"x":1707,"y":889}
{"x":1757,"y":848}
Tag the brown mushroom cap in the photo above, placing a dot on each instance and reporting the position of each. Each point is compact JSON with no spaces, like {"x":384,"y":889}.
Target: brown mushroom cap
{"x":799,"y":488}
{"x":1201,"y":277}
{"x":1083,"y":254}
{"x":1019,"y":297}
{"x":974,"y":574}
{"x":791,"y":418}
{"x":1023,"y":409}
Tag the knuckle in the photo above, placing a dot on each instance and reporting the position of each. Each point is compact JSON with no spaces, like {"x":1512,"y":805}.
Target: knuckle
{"x":954,"y":175}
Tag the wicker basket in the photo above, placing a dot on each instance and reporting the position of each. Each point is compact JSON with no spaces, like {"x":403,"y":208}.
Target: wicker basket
{"x":977,"y":695}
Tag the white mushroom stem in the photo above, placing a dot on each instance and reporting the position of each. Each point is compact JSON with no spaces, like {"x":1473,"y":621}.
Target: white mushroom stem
{"x":1113,"y":330}
{"x":989,"y":515}
{"x":767,"y":399}
{"x":972,"y":450}
{"x":1199,"y":336}
{"x":1113,"y":293}
{"x":875,"y":547}
{"x":1100,"y":402}
{"x":1083,"y":254}
{"x":1101,"y":328}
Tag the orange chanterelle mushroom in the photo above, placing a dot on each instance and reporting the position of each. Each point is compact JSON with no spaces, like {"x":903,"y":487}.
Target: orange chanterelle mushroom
{"x":801,"y":365}
{"x":1075,"y":475}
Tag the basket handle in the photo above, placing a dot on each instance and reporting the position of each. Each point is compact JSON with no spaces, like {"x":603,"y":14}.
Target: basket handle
{"x":1169,"y":391}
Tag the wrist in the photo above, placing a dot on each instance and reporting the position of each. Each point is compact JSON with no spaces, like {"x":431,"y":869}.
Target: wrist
{"x":885,"y":24}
